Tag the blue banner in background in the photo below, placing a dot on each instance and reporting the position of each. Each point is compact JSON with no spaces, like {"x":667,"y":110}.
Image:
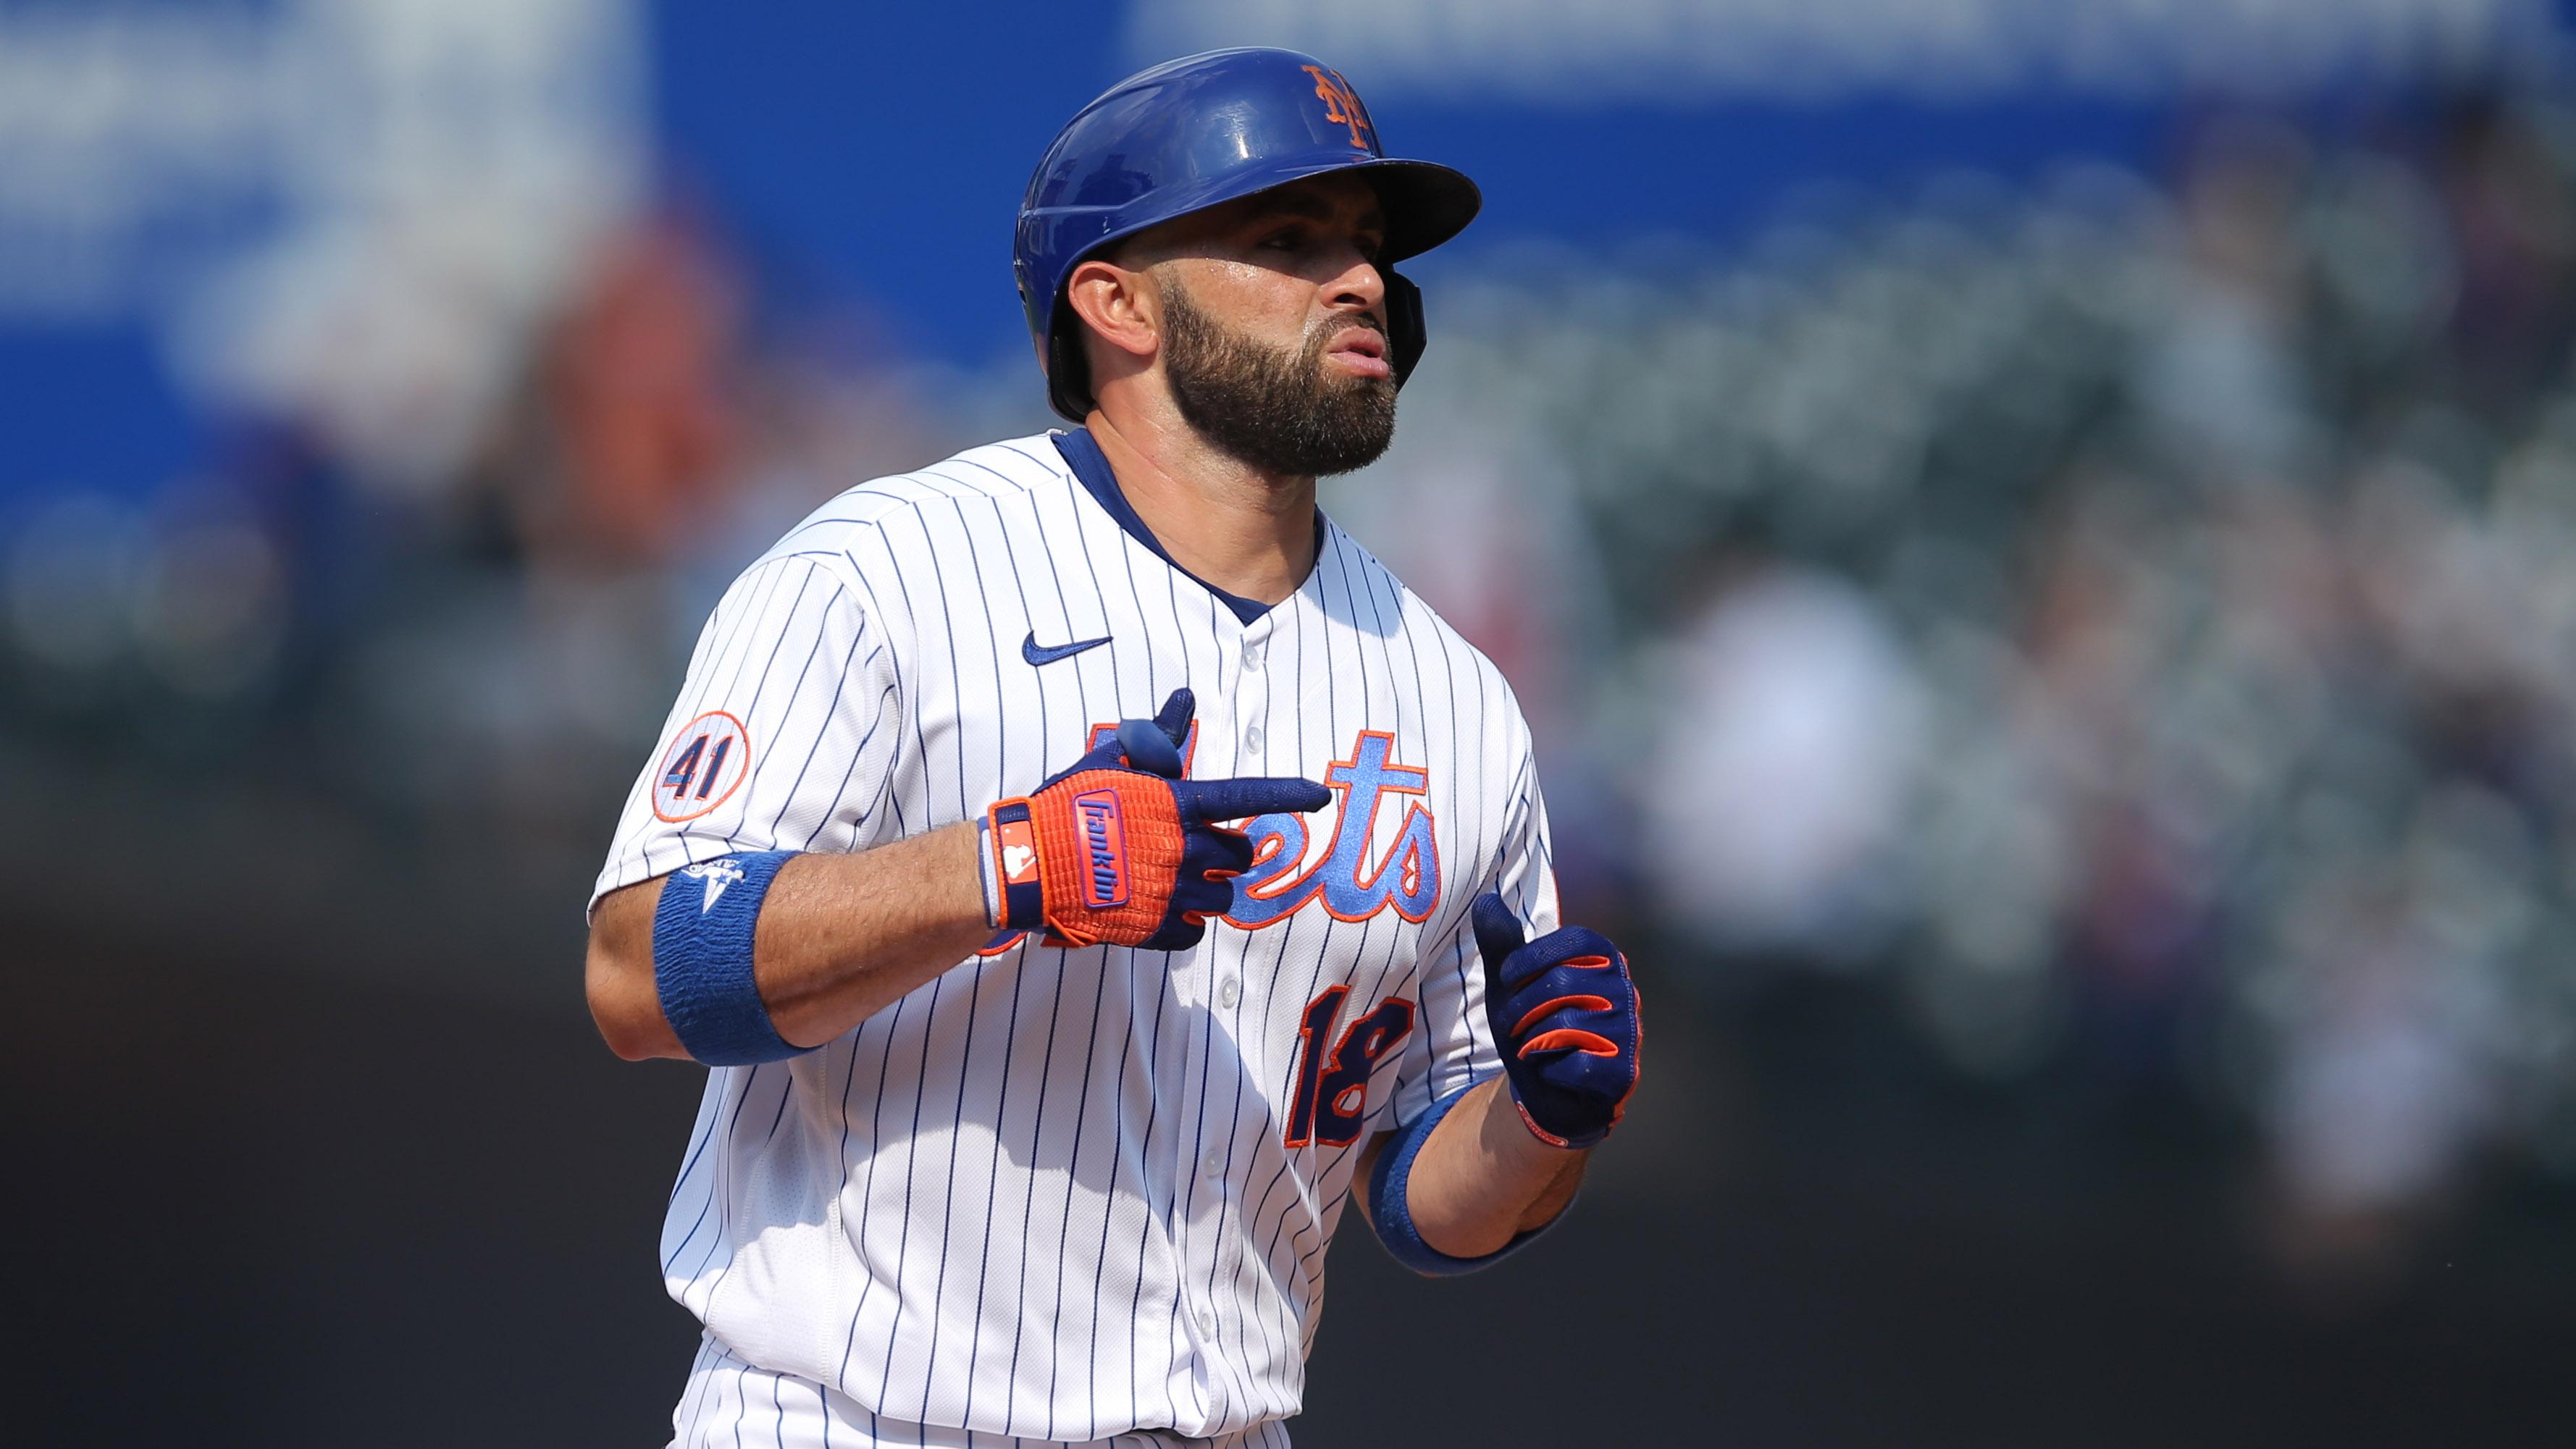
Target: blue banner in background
{"x":354,"y":216}
{"x":882,"y":157}
{"x":94,"y":406}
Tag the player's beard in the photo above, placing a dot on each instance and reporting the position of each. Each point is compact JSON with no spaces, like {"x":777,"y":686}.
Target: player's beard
{"x":1279,"y":411}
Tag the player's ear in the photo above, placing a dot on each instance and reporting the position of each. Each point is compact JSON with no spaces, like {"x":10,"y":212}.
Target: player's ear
{"x":1119,"y":305}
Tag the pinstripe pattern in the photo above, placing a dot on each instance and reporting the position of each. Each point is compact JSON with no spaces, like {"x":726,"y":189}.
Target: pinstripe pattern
{"x":730,"y":1404}
{"x":1048,"y":1196}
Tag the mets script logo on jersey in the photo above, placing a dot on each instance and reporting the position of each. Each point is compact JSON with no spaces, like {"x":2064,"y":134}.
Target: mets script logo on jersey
{"x":1342,"y":104}
{"x":1352,"y":879}
{"x":706,"y":762}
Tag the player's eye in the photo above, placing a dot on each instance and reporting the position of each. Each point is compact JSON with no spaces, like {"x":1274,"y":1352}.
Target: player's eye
{"x":1286,"y":239}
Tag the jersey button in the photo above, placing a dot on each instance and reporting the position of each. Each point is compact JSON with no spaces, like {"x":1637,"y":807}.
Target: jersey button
{"x":1251,"y":654}
{"x":1207,"y":1324}
{"x":1213,"y":1164}
{"x":1252,"y":739}
{"x":1228,"y":992}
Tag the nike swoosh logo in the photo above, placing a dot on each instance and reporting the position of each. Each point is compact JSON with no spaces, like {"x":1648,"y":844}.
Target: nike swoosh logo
{"x":1031,"y":651}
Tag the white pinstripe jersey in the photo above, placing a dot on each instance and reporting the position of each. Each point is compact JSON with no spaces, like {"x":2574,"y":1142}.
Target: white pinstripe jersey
{"x":1062,"y":1194}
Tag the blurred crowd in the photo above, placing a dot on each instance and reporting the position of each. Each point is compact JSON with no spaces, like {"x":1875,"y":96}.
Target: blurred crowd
{"x":2131,"y":619}
{"x":2134,"y":621}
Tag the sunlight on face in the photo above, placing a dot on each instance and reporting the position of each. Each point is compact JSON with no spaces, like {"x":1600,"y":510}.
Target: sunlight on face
{"x":1277,"y":267}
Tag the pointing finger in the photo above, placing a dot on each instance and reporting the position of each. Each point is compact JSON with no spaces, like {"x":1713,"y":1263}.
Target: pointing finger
{"x":1240,"y":799}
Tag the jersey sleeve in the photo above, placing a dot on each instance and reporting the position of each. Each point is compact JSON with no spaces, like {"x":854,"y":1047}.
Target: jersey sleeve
{"x":1454,"y":1045}
{"x":783,"y":736}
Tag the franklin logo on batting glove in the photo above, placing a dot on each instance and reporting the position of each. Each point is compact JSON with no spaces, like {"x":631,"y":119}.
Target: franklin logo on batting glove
{"x":1106,"y":844}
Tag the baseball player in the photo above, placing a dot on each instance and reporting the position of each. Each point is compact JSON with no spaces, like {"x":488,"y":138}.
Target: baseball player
{"x":1085,"y":867}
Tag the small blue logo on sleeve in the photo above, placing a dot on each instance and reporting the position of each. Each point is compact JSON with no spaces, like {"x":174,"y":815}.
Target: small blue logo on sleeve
{"x":717,"y":874}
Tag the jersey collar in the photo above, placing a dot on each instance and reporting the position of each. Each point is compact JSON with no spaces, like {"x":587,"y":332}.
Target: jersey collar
{"x":1091,"y":468}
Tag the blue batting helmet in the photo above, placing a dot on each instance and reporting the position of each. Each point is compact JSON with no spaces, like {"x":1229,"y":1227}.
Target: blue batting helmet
{"x":1194,"y":133}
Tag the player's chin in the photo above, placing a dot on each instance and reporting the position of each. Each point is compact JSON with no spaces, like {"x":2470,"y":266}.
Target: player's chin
{"x":1357,"y":408}
{"x":1342,"y":454}
{"x":1337,"y":380}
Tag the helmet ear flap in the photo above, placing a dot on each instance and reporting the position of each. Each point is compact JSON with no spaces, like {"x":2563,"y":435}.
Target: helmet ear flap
{"x":1068,"y":372}
{"x":1406,"y":334}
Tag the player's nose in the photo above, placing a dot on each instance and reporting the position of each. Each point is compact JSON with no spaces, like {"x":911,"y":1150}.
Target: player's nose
{"x":1360,"y":287}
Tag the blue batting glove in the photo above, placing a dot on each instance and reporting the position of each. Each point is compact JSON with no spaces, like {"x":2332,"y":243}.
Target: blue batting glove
{"x":1564,"y":1014}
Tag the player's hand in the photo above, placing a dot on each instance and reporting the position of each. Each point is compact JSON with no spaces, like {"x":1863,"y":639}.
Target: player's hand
{"x":1121,"y":850}
{"x":1564,"y":1014}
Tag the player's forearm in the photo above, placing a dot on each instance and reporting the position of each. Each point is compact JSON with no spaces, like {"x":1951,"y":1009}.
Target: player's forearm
{"x":1483,"y":1178}
{"x":840,"y":938}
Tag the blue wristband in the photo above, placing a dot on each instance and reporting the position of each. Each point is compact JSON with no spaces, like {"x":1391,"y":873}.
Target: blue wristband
{"x":702,"y":935}
{"x":1392,"y":1213}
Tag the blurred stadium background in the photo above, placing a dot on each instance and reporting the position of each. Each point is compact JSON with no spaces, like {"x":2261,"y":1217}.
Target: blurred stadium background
{"x":2039,"y":538}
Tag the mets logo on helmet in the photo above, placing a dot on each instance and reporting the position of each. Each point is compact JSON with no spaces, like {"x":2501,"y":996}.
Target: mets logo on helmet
{"x":1342,"y":104}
